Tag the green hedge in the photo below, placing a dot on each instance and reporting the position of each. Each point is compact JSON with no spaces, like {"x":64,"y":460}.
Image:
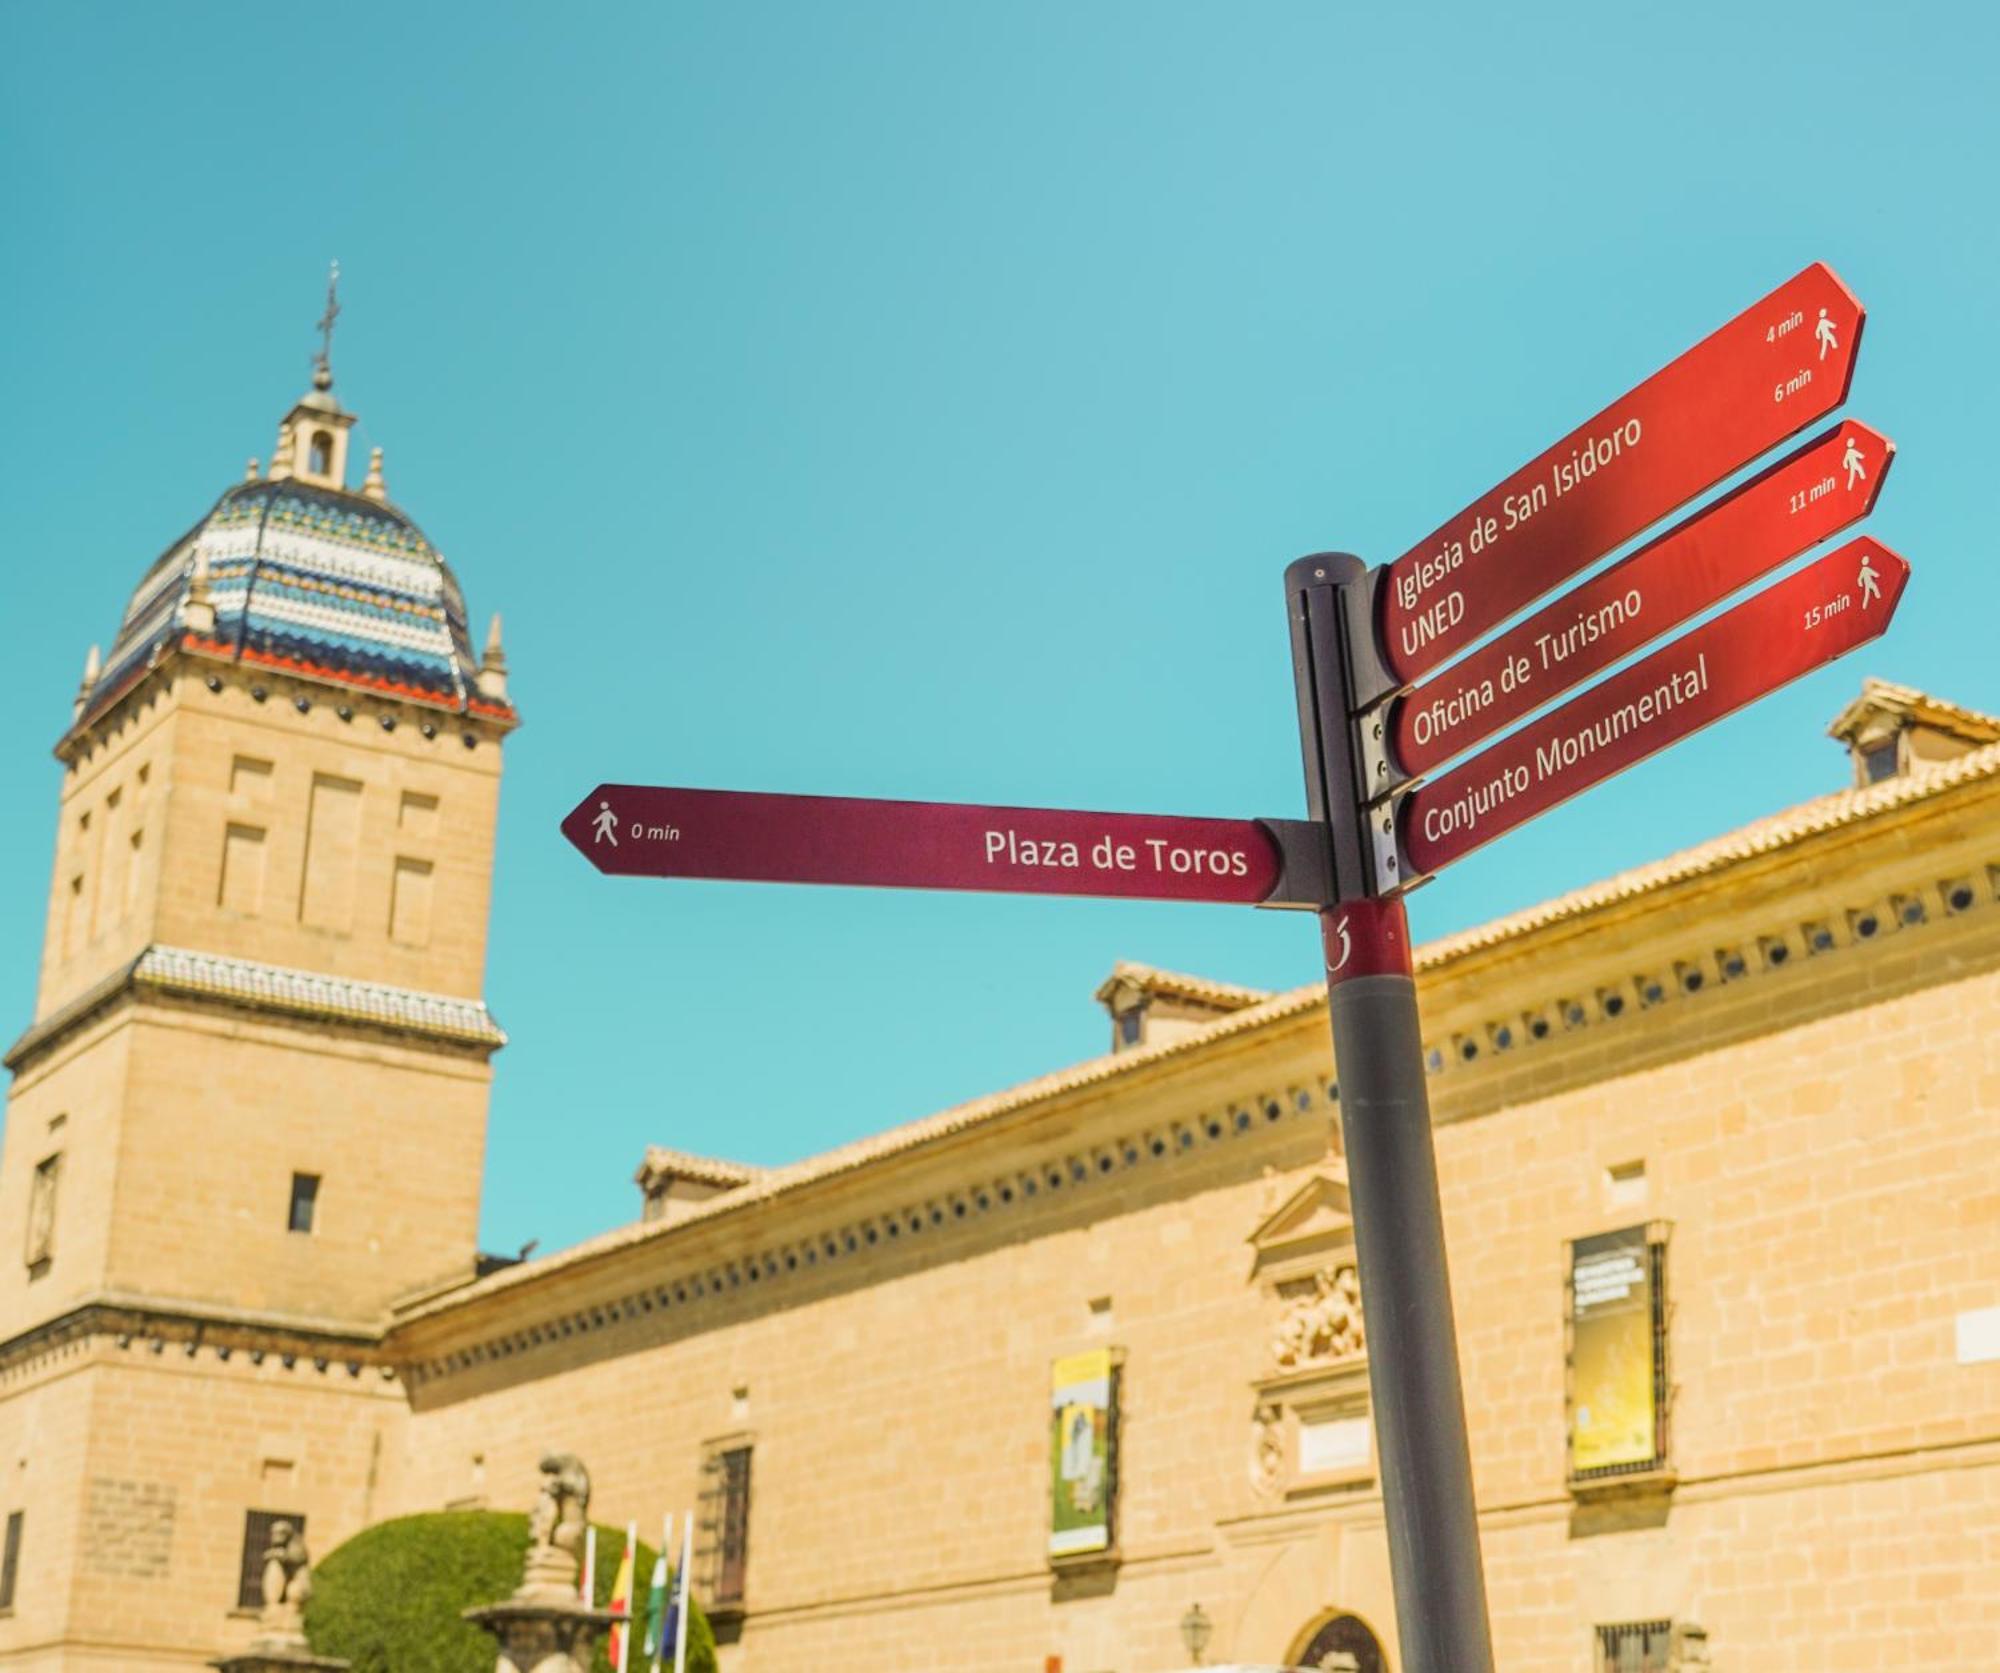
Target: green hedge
{"x":389,"y":1599}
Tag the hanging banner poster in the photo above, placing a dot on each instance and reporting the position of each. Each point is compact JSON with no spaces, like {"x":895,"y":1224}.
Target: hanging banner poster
{"x":1617,"y":1380}
{"x":1083,"y":1453}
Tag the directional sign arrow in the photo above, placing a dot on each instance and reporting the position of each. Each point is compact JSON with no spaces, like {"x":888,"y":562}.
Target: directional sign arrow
{"x":1816,"y":492}
{"x":1830,"y":607}
{"x":1764,"y":376}
{"x":644,"y":831}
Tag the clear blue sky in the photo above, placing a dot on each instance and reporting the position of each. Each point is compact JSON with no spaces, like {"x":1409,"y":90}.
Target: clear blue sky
{"x":924,"y":401}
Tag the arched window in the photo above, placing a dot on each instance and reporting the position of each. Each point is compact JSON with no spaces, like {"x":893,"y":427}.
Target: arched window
{"x":1344,"y":1641}
{"x":322,"y":453}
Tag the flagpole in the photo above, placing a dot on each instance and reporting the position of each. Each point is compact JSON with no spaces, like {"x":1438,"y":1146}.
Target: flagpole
{"x":681,"y":1620}
{"x":628,"y":1572}
{"x":659,"y":1591}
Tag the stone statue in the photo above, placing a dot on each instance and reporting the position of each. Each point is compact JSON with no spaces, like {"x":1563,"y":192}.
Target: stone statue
{"x":556,"y":1525}
{"x":1267,"y":1450}
{"x":287,"y":1577}
{"x":562,"y":1508}
{"x":1325,"y":1325}
{"x":544,"y":1627}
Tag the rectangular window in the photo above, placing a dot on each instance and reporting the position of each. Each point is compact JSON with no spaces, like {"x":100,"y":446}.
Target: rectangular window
{"x":42,"y":1214}
{"x":250,"y":778}
{"x":1634,"y":1647}
{"x":259,"y":1529}
{"x":10,"y":1559}
{"x":305,"y":1201}
{"x":241,"y":888}
{"x":73,"y":917}
{"x":410,"y":903}
{"x":112,"y":895}
{"x":134,"y":861}
{"x":333,"y":853}
{"x":1618,"y":1353}
{"x":417,"y":814}
{"x":722,"y":1554}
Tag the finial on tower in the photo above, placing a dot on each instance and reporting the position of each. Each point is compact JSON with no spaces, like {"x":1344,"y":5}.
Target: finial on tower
{"x":250,"y":469}
{"x":373,"y":487}
{"x":198,"y":608}
{"x":93,"y":665}
{"x":492,"y":677}
{"x":323,"y":361}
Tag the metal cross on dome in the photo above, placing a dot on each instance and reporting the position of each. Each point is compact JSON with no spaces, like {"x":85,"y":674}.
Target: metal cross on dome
{"x":323,"y":361}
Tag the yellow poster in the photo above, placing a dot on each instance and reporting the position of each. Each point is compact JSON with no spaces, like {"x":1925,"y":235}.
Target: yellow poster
{"x":1082,"y":1452}
{"x":1614,"y":1382}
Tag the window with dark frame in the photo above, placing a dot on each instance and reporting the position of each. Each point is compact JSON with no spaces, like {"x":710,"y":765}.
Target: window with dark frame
{"x":257,"y":1526}
{"x":305,"y":1201}
{"x":10,"y":1559}
{"x":722,"y":1555}
{"x":1634,"y":1647}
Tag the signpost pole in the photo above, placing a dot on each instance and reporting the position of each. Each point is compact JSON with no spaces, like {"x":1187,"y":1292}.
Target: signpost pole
{"x":1413,"y":1371}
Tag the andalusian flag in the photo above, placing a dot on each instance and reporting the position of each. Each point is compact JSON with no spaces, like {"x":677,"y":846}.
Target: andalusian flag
{"x":621,"y":1597}
{"x":656,"y":1598}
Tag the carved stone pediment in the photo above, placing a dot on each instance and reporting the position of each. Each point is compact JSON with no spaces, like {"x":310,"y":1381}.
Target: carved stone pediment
{"x":1310,"y":1226}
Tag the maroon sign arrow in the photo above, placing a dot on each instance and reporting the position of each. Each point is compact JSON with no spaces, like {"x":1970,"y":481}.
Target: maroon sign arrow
{"x":641,"y":831}
{"x":1817,"y":491}
{"x":1764,"y":376}
{"x":1833,"y":605}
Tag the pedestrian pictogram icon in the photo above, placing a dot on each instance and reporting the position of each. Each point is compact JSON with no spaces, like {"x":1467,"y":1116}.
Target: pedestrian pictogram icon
{"x":1824,"y":332}
{"x":1870,"y":583}
{"x":607,"y":825}
{"x":1857,"y":470}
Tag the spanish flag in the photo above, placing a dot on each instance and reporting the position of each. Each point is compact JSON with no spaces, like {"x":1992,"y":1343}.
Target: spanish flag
{"x":621,"y":1597}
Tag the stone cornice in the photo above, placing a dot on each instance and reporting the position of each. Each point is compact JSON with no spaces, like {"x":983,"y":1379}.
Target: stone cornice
{"x":274,"y":990}
{"x":1705,"y":941}
{"x":144,"y":1324}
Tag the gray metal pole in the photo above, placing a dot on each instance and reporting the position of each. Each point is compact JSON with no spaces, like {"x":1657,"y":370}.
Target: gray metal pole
{"x":1413,"y":1372}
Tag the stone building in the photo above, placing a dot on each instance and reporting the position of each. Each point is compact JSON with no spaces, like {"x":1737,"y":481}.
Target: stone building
{"x":1046,"y":1381}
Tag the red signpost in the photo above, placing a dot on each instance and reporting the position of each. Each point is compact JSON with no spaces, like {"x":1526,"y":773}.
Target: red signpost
{"x":1356,"y":635}
{"x":1826,"y":485}
{"x":1801,"y":623}
{"x":1764,"y":376}
{"x":640,"y":831}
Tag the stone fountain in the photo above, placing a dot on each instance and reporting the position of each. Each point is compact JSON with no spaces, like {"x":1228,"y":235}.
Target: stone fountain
{"x":545,"y":1627}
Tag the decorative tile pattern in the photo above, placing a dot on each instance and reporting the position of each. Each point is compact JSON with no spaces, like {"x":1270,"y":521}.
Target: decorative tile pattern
{"x":308,"y":993}
{"x":315,"y":582}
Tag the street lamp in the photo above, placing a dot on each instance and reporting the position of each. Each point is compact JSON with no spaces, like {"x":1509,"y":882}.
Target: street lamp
{"x":1196,"y":1630}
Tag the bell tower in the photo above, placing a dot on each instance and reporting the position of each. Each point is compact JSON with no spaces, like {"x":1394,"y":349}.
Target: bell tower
{"x":249,"y":1111}
{"x":257,"y":1071}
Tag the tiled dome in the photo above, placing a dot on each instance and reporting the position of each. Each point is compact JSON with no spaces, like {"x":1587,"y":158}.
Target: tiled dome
{"x":308,"y":580}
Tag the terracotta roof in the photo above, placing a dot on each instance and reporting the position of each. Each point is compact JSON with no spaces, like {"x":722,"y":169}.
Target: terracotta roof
{"x":1917,"y":706}
{"x":663,"y":1162}
{"x":1763,"y":836}
{"x":1171,"y":984}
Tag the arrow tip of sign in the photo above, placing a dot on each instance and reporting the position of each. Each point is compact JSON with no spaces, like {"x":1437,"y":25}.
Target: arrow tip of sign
{"x":578,"y":824}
